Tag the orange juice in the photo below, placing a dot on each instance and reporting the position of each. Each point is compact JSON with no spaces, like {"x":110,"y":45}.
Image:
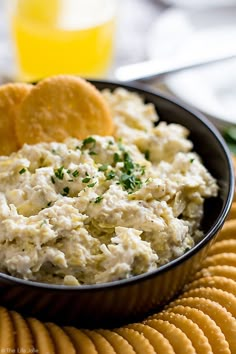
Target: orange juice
{"x":63,"y":37}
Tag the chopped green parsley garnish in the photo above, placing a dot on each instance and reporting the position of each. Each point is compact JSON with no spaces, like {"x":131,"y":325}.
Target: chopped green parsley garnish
{"x":116,"y":158}
{"x":23,"y":170}
{"x":59,"y":172}
{"x":92,"y":153}
{"x":191,"y":161}
{"x":75,"y":173}
{"x":52,"y":180}
{"x":49,"y":204}
{"x":103,"y":167}
{"x":86,"y":180}
{"x":88,"y":141}
{"x":110,"y":175}
{"x":91,"y":184}
{"x":128,"y":163}
{"x":98,"y":199}
{"x":130,"y":182}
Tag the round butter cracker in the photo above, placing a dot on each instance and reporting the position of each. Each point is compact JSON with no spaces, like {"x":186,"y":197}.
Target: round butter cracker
{"x":61,"y":340}
{"x":174,"y":335}
{"x":228,"y":259}
{"x":192,"y":331}
{"x":43,"y":342}
{"x":155,"y":338}
{"x":224,"y":298}
{"x":224,"y":246}
{"x":221,"y":271}
{"x":100,"y":342}
{"x":217,"y":282}
{"x":138,"y":341}
{"x":217,"y":313}
{"x":213,"y":332}
{"x":119,"y":344}
{"x":60,"y":107}
{"x":23,"y":335}
{"x":11,"y":96}
{"x":7,"y":337}
{"x":82,"y":343}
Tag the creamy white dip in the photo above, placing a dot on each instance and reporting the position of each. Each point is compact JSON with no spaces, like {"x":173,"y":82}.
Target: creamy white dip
{"x":105,"y":208}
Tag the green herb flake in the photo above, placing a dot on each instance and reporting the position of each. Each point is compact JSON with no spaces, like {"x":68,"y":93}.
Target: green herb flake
{"x":110,"y":175}
{"x":49,"y":204}
{"x":191,"y":160}
{"x":66,"y":191}
{"x":88,"y":141}
{"x":98,"y":199}
{"x":103,"y":167}
{"x":91,"y":184}
{"x":75,"y":173}
{"x":116,"y":157}
{"x":130,"y":182}
{"x":128,"y":163}
{"x":59,"y":172}
{"x":92,"y":153}
{"x":68,"y":171}
{"x":23,"y":170}
{"x":86,"y":180}
{"x":52,"y":180}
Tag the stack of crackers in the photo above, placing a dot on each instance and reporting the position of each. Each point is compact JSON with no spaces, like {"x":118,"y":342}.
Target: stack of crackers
{"x":202,"y":320}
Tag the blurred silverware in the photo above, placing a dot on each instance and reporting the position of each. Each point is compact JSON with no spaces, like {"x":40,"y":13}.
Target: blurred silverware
{"x":152,"y":69}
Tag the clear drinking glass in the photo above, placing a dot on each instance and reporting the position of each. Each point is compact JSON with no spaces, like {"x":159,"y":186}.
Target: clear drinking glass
{"x":63,"y":37}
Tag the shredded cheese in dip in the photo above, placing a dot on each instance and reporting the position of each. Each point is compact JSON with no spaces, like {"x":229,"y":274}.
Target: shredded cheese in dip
{"x":105,"y":208}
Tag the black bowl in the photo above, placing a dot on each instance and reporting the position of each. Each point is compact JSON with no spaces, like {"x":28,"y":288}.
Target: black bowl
{"x":119,"y":302}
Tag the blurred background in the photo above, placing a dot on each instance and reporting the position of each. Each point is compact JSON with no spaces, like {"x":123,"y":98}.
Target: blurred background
{"x":93,"y":38}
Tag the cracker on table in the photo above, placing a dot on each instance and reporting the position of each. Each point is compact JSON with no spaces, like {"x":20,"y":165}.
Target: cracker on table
{"x":43,"y":342}
{"x":156,"y":339}
{"x":63,"y":106}
{"x":191,"y":329}
{"x":228,"y":231}
{"x":224,"y":246}
{"x":216,"y":312}
{"x":7,"y":340}
{"x":228,"y":259}
{"x":23,"y":335}
{"x":61,"y":340}
{"x":137,"y":340}
{"x":224,"y":298}
{"x":82,"y":343}
{"x":217,"y":282}
{"x":219,"y":270}
{"x":210,"y":329}
{"x":11,"y":96}
{"x":119,"y":343}
{"x":175,"y":336}
{"x":101,"y":344}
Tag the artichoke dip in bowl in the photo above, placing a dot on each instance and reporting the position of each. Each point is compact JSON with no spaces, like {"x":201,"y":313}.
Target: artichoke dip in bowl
{"x":101,"y":231}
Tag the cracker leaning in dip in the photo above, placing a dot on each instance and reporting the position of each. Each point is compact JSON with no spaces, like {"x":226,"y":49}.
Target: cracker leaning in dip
{"x":101,"y":208}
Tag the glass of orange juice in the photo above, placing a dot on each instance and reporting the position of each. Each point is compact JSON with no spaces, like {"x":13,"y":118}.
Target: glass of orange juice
{"x":63,"y":37}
